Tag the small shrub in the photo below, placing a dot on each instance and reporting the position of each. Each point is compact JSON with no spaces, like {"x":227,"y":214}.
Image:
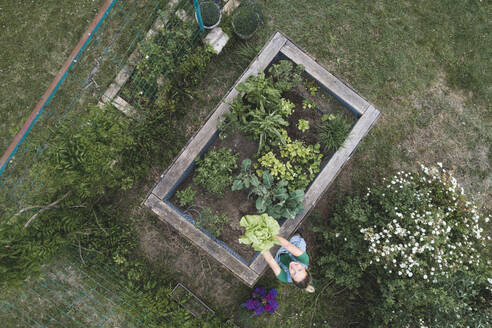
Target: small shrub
{"x":212,"y":222}
{"x":186,"y":197}
{"x":414,"y":246}
{"x":214,"y":171}
{"x":333,"y":132}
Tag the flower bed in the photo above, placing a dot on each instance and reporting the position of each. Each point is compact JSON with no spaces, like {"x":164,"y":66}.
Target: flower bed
{"x":274,"y":121}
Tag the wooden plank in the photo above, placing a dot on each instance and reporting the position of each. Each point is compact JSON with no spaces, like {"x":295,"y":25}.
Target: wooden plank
{"x":169,"y":215}
{"x":202,"y":137}
{"x":325,"y":178}
{"x":335,"y":85}
{"x":124,"y":107}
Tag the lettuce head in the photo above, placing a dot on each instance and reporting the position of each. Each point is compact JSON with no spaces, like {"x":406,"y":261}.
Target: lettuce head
{"x":260,"y":231}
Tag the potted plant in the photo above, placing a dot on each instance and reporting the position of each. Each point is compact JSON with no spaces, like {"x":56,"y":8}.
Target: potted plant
{"x":245,"y":20}
{"x":211,"y":14}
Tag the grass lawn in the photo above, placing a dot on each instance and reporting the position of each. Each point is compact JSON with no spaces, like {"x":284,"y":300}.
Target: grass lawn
{"x":36,"y":38}
{"x":424,"y":64}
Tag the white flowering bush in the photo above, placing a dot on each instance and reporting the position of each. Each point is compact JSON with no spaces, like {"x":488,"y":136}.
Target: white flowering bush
{"x":419,"y":247}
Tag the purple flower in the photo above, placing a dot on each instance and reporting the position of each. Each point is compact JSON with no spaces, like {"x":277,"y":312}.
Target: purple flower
{"x":259,"y":291}
{"x":273,"y":304}
{"x":272,"y":293}
{"x":269,"y":308}
{"x":259,"y":310}
{"x":250,"y":304}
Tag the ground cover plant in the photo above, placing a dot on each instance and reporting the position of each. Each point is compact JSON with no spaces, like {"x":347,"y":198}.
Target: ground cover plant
{"x":276,"y":175}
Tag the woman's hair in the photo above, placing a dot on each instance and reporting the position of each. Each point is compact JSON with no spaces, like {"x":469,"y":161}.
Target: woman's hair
{"x":305,"y":283}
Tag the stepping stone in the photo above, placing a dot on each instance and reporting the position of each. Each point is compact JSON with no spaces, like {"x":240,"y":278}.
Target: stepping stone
{"x":217,"y":39}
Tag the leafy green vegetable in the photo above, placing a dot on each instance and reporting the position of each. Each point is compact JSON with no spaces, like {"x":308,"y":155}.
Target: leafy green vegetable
{"x":272,"y":197}
{"x":260,"y":231}
{"x":214,"y":171}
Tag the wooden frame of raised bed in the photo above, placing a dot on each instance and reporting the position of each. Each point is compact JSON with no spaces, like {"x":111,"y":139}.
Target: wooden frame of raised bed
{"x":158,"y":198}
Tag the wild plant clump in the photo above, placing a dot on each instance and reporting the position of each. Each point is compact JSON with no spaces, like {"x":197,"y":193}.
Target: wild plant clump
{"x":414,"y":238}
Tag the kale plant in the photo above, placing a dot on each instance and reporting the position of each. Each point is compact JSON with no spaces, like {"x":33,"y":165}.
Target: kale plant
{"x":271,"y":197}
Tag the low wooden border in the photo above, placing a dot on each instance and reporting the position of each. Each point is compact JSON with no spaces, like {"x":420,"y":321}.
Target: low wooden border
{"x":158,"y":198}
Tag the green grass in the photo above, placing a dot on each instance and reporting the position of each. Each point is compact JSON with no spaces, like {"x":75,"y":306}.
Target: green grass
{"x":36,"y":39}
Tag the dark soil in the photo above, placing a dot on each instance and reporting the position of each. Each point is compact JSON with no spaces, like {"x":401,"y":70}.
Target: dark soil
{"x":236,"y":204}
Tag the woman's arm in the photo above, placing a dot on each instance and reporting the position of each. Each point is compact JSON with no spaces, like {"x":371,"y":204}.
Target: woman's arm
{"x":290,"y":247}
{"x":272,"y":263}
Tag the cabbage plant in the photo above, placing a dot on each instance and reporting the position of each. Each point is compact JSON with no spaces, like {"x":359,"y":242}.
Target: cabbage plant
{"x":260,"y":231}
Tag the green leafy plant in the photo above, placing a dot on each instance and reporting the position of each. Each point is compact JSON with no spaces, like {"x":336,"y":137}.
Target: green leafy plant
{"x":311,"y":86}
{"x":303,"y":125}
{"x":297,"y":164}
{"x":260,"y":91}
{"x":285,"y":75}
{"x":214,"y":171}
{"x":212,"y":222}
{"x":260,"y":231}
{"x":186,"y":196}
{"x":333,"y":132}
{"x":266,"y":127}
{"x":210,"y":12}
{"x":308,"y":104}
{"x":271,"y":197}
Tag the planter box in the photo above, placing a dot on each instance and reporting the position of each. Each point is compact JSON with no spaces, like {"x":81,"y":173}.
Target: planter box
{"x":158,"y":200}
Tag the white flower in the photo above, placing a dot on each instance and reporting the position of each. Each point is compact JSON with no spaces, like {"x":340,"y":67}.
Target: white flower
{"x":425,"y":276}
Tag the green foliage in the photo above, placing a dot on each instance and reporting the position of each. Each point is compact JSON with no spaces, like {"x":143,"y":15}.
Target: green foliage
{"x":260,"y":91}
{"x":285,"y":75}
{"x":308,"y":104}
{"x":311,"y":86}
{"x":266,"y":120}
{"x":303,"y":125}
{"x":412,"y":246}
{"x":88,"y":159}
{"x":245,"y":53}
{"x":298,"y":163}
{"x":212,"y":222}
{"x":246,"y":20}
{"x":82,"y":164}
{"x":260,"y":231}
{"x":333,"y":132}
{"x":272,"y":198}
{"x":214,"y":171}
{"x":186,"y":196}
{"x":210,"y":13}
{"x":266,"y":127}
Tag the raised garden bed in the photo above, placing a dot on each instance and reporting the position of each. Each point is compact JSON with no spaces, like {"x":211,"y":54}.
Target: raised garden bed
{"x":332,"y":97}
